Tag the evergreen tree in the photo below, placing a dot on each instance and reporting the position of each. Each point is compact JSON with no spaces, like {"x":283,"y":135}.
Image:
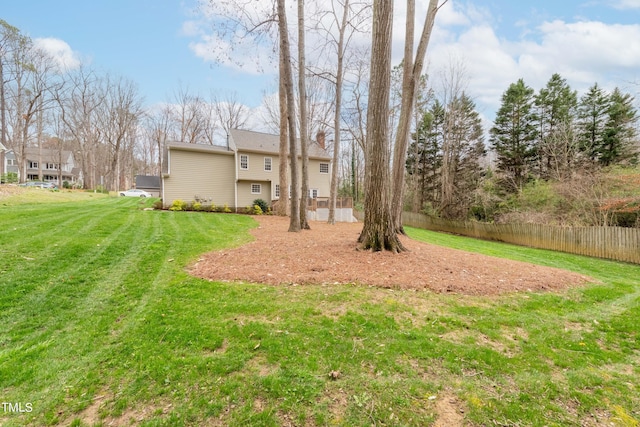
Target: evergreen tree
{"x":462,"y":148}
{"x":593,"y":110}
{"x":425,"y":155}
{"x":619,"y":138}
{"x":556,"y":106}
{"x":513,"y":135}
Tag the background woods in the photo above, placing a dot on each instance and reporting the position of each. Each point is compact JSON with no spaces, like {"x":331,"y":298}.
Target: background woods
{"x":549,"y":155}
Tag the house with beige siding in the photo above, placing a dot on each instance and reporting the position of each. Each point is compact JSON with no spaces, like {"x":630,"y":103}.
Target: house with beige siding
{"x":244,"y":170}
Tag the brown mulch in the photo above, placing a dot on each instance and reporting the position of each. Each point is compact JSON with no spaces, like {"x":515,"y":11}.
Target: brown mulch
{"x":328,"y":254}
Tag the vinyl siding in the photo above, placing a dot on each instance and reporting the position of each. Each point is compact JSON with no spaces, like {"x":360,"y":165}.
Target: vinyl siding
{"x":256,"y":167}
{"x":246,"y":197}
{"x":256,"y":173}
{"x":207,"y":175}
{"x":321,"y":181}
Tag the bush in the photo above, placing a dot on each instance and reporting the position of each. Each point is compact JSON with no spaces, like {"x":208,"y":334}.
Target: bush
{"x":264,"y":206}
{"x":197,"y":206}
{"x":257,"y":210}
{"x":178,"y":205}
{"x":66,"y":184}
{"x":226,"y":208}
{"x":157,"y":205}
{"x":9,"y":178}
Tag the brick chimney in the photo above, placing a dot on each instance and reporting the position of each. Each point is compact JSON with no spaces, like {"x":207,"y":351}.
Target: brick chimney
{"x":320,"y":139}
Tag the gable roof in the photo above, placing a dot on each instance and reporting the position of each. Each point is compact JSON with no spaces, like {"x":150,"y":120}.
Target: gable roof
{"x":246,"y":140}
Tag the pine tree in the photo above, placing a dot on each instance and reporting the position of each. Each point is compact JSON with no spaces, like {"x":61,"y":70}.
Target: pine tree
{"x":620,"y":131}
{"x":463,"y":133}
{"x":556,"y":106}
{"x":592,"y":118}
{"x":513,"y":135}
{"x":425,"y":155}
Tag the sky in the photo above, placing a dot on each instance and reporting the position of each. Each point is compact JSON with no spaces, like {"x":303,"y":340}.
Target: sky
{"x":167,"y":45}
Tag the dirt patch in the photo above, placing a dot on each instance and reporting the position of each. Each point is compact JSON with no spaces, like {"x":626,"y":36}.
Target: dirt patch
{"x":449,"y":411}
{"x":327,"y":254}
{"x":97,"y":413}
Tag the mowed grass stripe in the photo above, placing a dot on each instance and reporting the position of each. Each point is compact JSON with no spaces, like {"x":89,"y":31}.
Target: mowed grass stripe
{"x":47,"y":303}
{"x":93,"y":319}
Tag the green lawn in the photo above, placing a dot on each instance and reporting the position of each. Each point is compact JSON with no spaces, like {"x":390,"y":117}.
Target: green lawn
{"x":101,"y":324}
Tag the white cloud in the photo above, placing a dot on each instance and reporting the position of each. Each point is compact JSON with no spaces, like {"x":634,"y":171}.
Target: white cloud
{"x":626,"y":4}
{"x":583,"y":52}
{"x":65,"y":58}
{"x":241,"y":54}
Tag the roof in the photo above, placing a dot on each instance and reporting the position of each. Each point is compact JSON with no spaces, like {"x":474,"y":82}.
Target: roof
{"x":147,"y":181}
{"x":46,"y":154}
{"x":2,"y":147}
{"x":246,"y":140}
{"x":203,"y":148}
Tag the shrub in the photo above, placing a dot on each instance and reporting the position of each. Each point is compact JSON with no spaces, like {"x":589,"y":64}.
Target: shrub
{"x":264,"y":206}
{"x":178,"y":205}
{"x":257,"y":210}
{"x":9,"y":178}
{"x":197,"y":206}
{"x":66,"y":184}
{"x":226,"y":208}
{"x":157,"y":205}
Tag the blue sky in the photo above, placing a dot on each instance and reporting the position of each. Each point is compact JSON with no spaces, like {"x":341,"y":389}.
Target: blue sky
{"x":162,"y":45}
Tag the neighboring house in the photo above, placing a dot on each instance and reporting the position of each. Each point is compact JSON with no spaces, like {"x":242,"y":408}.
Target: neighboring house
{"x":150,"y":184}
{"x":44,"y":164}
{"x":245,"y":170}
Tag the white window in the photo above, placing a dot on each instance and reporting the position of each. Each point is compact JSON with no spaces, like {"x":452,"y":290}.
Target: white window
{"x":256,"y":188}
{"x":277,"y":191}
{"x":267,"y":164}
{"x":33,"y":165}
{"x":324,"y":167}
{"x":313,"y":193}
{"x":244,"y":161}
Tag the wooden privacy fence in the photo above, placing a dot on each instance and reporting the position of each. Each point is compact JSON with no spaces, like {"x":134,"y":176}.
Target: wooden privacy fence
{"x":617,"y":243}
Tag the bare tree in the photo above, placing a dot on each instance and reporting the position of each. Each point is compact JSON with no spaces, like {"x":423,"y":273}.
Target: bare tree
{"x":304,"y":137}
{"x":283,"y":201}
{"x":378,"y":232}
{"x":341,"y":46}
{"x":158,"y":126}
{"x":9,"y":36}
{"x":412,"y":70}
{"x":229,"y":112}
{"x":79,"y":104}
{"x":294,"y":220}
{"x":190,"y":117}
{"x":117,"y":121}
{"x":34,"y":83}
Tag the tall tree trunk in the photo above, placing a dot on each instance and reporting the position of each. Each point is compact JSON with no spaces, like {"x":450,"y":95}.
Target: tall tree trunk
{"x":333,"y":194}
{"x":304,"y":147}
{"x":3,"y":117}
{"x":294,"y":218}
{"x":378,"y":232}
{"x":411,"y":75}
{"x":283,"y":178}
